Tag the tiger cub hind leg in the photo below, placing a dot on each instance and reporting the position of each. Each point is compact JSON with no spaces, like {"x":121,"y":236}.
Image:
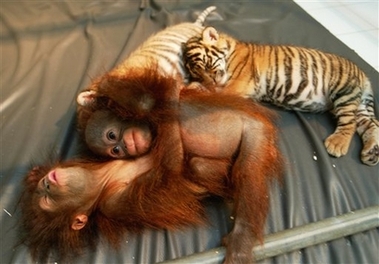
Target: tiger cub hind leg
{"x":368,"y":126}
{"x":368,"y":129}
{"x":370,"y":138}
{"x":337,"y":144}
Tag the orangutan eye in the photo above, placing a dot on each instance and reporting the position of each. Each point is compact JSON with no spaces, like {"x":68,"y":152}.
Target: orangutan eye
{"x":111,"y":135}
{"x":116,"y":151}
{"x":47,"y":185}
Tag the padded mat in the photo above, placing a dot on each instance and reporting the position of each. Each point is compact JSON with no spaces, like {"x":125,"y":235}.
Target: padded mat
{"x":51,"y":50}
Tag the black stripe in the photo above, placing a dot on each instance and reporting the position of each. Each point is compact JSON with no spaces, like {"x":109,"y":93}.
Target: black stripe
{"x":324,"y":73}
{"x":332,"y":72}
{"x":314,"y":69}
{"x":241,"y":62}
{"x":253,"y":70}
{"x":340,"y":72}
{"x":303,"y":72}
{"x":287,"y":67}
{"x":272,"y":71}
{"x":277,"y":78}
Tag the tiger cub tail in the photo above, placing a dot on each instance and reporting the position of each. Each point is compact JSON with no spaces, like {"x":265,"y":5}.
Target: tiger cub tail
{"x":201,"y":18}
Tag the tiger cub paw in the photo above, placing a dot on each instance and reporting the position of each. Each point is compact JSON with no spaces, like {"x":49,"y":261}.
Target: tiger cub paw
{"x":337,"y":145}
{"x":197,"y":86}
{"x":200,"y":87}
{"x":370,"y":153}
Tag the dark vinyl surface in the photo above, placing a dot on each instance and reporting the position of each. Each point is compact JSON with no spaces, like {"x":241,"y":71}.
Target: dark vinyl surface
{"x":50,"y":51}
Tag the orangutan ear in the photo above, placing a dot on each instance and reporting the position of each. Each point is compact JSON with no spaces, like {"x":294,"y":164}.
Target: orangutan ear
{"x":79,"y":222}
{"x":86,"y":98}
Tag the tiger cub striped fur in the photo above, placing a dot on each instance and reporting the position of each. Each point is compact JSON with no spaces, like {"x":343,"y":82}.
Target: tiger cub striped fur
{"x":295,"y":78}
{"x":163,"y":49}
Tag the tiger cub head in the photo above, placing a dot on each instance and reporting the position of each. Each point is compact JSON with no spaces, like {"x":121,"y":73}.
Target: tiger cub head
{"x":205,"y":57}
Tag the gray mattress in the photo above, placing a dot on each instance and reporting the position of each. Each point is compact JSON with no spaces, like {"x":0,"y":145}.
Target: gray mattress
{"x":51,"y":50}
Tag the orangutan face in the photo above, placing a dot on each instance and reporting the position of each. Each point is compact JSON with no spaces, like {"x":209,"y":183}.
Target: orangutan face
{"x":65,"y":186}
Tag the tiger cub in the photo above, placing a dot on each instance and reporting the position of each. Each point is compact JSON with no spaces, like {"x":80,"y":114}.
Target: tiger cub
{"x":162,"y":50}
{"x":295,"y":78}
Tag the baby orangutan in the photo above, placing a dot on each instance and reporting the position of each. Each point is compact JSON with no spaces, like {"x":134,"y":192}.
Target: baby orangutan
{"x":230,"y":149}
{"x":67,"y":206}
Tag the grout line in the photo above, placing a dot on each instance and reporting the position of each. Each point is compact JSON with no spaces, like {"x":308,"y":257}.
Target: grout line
{"x":352,"y":20}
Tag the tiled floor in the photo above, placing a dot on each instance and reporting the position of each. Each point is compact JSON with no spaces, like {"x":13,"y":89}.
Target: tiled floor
{"x":355,"y":22}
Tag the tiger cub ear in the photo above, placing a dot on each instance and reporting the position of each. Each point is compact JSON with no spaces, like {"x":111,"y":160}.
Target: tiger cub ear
{"x":210,"y":35}
{"x":86,"y":98}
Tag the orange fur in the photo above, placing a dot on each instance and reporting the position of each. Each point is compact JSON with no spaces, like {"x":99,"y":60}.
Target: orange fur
{"x":169,"y":194}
